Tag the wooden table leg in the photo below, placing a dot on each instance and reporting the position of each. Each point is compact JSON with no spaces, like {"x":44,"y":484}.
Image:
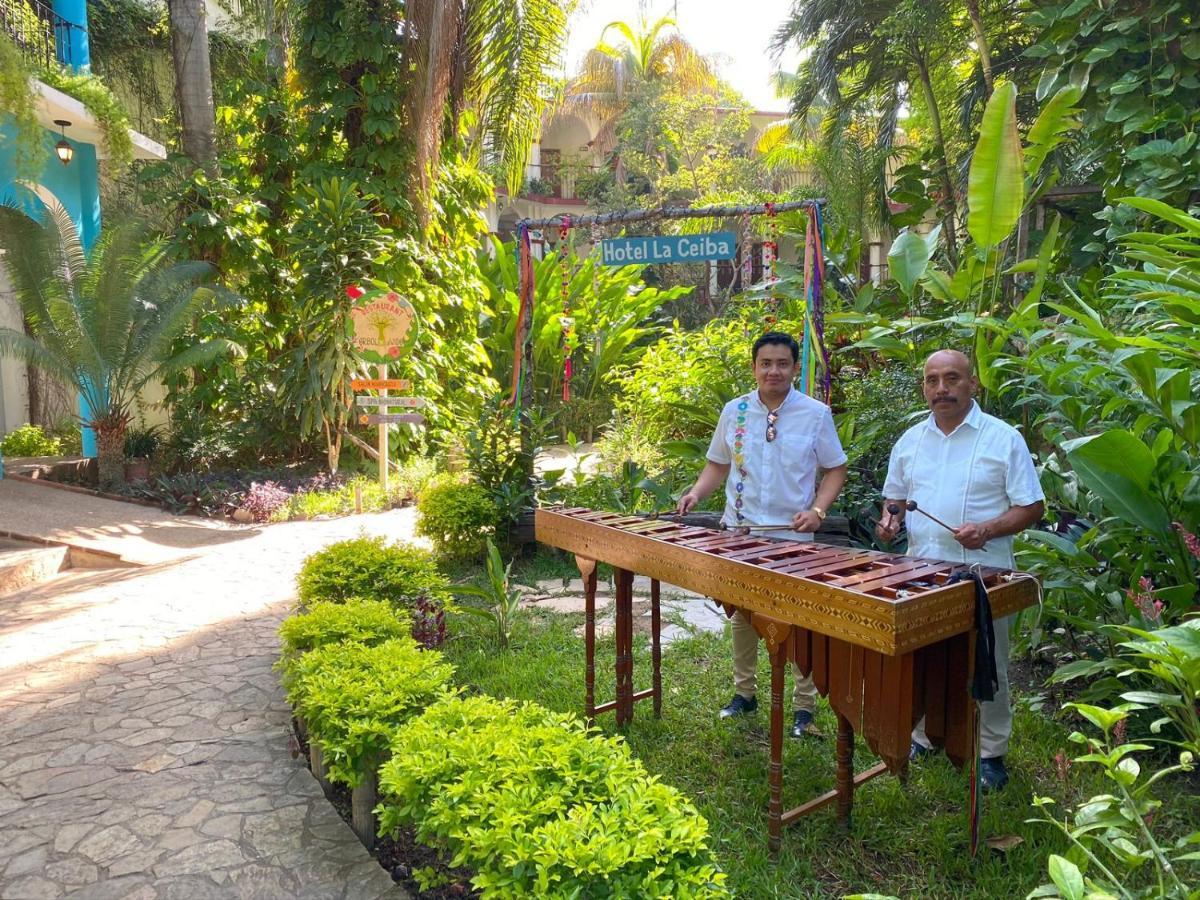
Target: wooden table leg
{"x":845,"y":770}
{"x":624,"y":638}
{"x":587,"y":568}
{"x":656,"y":645}
{"x":775,"y":803}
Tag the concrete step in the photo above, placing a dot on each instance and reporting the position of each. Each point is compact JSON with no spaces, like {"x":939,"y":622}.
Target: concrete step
{"x":23,"y":564}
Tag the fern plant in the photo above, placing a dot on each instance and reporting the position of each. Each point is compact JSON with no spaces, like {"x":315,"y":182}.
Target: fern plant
{"x":103,"y":322}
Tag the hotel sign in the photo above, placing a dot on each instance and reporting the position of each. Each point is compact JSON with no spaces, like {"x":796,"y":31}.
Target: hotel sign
{"x":683,"y":248}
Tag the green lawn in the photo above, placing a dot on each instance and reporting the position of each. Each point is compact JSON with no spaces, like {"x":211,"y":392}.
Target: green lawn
{"x":907,"y":841}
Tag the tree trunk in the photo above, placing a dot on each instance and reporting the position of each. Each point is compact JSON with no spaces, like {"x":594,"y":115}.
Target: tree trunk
{"x":935,"y":118}
{"x":110,"y":449}
{"x":193,"y":81}
{"x":431,"y":58}
{"x":981,"y":41}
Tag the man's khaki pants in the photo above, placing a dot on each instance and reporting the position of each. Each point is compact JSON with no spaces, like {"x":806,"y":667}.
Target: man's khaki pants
{"x":745,"y":667}
{"x":995,"y":716}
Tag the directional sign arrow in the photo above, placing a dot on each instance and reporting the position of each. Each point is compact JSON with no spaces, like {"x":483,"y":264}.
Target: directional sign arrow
{"x":392,"y":419}
{"x":405,"y":402}
{"x":380,"y":384}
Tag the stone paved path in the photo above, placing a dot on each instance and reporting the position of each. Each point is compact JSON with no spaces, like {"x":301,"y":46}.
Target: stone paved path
{"x":144,"y":741}
{"x":143,"y":535}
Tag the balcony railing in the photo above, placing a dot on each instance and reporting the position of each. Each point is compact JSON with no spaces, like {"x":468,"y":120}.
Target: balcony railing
{"x":40,"y":34}
{"x":558,"y":181}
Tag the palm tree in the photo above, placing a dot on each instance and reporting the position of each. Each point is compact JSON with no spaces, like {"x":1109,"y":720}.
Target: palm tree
{"x":647,"y":53}
{"x":193,"y":81}
{"x":104,"y":323}
{"x":872,"y":53}
{"x":495,"y":57}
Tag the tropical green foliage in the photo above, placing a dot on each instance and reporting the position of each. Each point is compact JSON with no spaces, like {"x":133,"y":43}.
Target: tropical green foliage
{"x":613,"y":314}
{"x":1114,"y":849}
{"x":292,"y":230}
{"x":104,"y":323}
{"x":1163,"y":667}
{"x":325,"y":622}
{"x":537,"y":806}
{"x":636,"y":55}
{"x":354,"y":698}
{"x":29,"y":440}
{"x":371,"y":569}
{"x":458,"y":518}
{"x":1138,"y":68}
{"x":501,"y":601}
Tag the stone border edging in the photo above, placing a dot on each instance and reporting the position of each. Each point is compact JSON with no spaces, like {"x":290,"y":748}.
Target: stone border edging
{"x":113,"y":560}
{"x":91,"y":492}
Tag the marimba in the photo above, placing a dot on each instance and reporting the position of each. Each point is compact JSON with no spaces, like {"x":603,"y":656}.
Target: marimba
{"x":886,"y":638}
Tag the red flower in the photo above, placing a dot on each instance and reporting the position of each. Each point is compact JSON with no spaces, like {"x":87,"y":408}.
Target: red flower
{"x":1190,"y":540}
{"x":353,"y":291}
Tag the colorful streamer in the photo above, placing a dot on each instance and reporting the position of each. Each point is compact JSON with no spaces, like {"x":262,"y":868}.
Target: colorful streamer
{"x":814,"y":314}
{"x":566,"y":321}
{"x":524,"y":311}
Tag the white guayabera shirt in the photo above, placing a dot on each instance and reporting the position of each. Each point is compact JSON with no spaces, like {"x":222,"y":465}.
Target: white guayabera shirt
{"x":778,"y":478}
{"x":977,"y":472}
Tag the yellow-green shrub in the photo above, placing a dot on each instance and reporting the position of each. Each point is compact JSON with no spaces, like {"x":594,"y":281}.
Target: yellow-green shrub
{"x":538,"y":807}
{"x":363,"y":621}
{"x":354,"y":697}
{"x":372,"y":569}
{"x":458,"y":518}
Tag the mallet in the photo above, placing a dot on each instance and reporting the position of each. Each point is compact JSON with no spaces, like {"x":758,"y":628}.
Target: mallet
{"x":911,"y":506}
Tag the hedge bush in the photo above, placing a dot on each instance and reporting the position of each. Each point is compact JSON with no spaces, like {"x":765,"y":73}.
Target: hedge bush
{"x":30,"y":440}
{"x":458,"y":518}
{"x":354,"y":697}
{"x":363,"y":621}
{"x":371,"y":569}
{"x":537,"y":806}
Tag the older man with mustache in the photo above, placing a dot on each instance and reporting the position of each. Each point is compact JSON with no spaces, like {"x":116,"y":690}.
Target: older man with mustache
{"x":973,"y":472}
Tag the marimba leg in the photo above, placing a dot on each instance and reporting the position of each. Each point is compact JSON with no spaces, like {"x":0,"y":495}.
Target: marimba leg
{"x":845,"y":770}
{"x":624,"y":637}
{"x":779,"y":655}
{"x":656,"y":645}
{"x":587,"y":568}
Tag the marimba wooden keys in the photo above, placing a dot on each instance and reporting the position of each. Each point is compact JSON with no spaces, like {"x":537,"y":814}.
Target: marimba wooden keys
{"x":885,"y":638}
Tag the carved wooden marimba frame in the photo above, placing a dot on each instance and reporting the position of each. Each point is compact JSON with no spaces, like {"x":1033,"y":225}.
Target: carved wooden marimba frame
{"x":886,"y":638}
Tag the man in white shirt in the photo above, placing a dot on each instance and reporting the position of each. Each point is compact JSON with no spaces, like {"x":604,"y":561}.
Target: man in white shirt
{"x":975,"y":473}
{"x":767,"y":448}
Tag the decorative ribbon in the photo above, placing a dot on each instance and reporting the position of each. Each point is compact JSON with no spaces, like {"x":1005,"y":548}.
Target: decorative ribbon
{"x":814,"y":318}
{"x":567,"y":322}
{"x":770,"y":254}
{"x":525,"y":293}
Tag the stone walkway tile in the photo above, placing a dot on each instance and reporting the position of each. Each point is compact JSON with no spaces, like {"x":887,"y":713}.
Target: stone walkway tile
{"x":147,"y":749}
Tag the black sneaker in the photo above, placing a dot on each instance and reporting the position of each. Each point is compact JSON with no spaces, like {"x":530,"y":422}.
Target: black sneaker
{"x":739,"y":705}
{"x":800,"y":722}
{"x":992,"y":774}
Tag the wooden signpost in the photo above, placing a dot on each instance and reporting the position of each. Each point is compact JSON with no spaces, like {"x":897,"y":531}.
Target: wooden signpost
{"x":383,"y":330}
{"x":391,"y":419}
{"x":404,"y":402}
{"x":380,"y":384}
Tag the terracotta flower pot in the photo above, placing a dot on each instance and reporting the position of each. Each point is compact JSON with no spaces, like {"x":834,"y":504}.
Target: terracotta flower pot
{"x":137,"y":469}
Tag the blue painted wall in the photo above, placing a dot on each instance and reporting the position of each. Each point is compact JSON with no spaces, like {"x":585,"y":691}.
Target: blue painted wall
{"x":77,"y":185}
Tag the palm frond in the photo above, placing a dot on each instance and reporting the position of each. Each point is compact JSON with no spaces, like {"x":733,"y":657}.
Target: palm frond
{"x":516,"y":48}
{"x":23,"y":347}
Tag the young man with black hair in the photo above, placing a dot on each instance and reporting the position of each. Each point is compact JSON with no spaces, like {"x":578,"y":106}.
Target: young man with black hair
{"x":767,"y":448}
